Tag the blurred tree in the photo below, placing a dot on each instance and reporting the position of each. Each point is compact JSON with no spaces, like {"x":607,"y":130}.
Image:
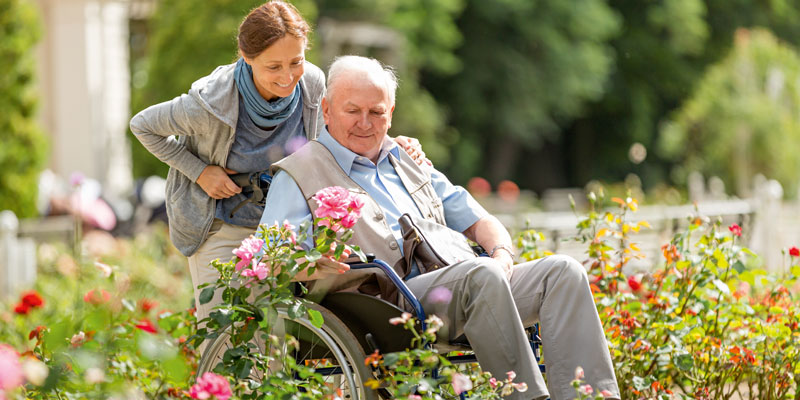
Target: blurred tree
{"x":187,"y":40}
{"x":528,"y":68}
{"x":23,"y":149}
{"x":662,"y":51}
{"x":742,"y":117}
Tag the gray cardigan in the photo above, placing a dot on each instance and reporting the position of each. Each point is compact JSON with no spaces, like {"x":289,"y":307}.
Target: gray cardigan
{"x":205,"y":122}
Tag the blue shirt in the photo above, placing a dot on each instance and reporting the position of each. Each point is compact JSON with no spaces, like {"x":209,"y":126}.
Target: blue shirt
{"x":285,"y":201}
{"x":253,"y":150}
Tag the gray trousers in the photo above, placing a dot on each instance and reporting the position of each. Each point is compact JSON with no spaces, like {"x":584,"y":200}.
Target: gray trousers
{"x":222,"y":239}
{"x":492,"y":313}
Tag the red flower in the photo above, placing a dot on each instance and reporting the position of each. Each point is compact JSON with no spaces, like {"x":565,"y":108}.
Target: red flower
{"x":794,"y":251}
{"x":32,"y":299}
{"x":735,"y":229}
{"x":96,"y":297}
{"x":146,"y":326}
{"x":21,"y":308}
{"x":36,"y":332}
{"x":634,"y":284}
{"x":148,"y":305}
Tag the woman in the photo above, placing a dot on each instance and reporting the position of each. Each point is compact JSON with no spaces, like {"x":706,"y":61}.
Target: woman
{"x":240,"y":118}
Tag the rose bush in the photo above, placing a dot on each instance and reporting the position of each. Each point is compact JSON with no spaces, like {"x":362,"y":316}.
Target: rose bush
{"x":704,"y":324}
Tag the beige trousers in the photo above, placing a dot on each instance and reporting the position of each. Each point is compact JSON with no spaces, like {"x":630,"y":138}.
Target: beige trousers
{"x":222,"y":239}
{"x":491,"y":312}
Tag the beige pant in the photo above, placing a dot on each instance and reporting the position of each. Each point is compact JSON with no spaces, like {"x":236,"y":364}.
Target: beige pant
{"x":491,"y":313}
{"x":222,"y":239}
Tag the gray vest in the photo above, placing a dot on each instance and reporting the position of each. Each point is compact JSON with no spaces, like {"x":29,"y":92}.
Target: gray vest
{"x":313,"y":167}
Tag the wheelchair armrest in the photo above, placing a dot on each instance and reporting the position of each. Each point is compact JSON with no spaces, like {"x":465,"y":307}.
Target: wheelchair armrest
{"x":398,"y":282}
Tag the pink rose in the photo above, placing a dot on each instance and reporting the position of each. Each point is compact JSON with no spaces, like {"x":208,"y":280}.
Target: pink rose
{"x":211,"y":384}
{"x":349,"y":220}
{"x":249,"y":248}
{"x":11,"y":377}
{"x":735,"y":229}
{"x":461,"y":383}
{"x":260,"y":271}
{"x":333,"y":202}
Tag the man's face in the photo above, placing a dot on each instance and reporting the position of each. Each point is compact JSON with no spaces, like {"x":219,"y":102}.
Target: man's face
{"x":358,"y":115}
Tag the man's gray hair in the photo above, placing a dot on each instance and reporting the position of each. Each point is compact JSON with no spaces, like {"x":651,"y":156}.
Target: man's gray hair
{"x":382,"y":75}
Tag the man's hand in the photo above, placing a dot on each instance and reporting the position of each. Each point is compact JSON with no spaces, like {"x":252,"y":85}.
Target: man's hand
{"x":413,"y":148}
{"x":326,"y":267}
{"x":505,"y":260}
{"x":215,"y":182}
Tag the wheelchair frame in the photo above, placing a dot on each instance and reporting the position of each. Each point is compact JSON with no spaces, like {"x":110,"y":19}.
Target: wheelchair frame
{"x":216,"y":348}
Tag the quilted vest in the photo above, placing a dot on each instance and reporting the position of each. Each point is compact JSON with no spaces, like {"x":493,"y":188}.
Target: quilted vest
{"x":313,"y":167}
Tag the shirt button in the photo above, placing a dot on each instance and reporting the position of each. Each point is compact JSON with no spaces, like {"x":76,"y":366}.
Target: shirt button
{"x":393,"y":245}
{"x":378,"y":217}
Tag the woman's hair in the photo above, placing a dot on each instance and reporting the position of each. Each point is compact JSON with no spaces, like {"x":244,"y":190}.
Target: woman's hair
{"x":267,"y":23}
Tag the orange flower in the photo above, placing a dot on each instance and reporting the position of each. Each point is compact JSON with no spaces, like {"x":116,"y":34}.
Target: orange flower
{"x":97,"y":297}
{"x":373,"y":359}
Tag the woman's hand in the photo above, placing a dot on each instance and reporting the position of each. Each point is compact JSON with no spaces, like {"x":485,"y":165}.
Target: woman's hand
{"x":215,"y":182}
{"x":413,"y":148}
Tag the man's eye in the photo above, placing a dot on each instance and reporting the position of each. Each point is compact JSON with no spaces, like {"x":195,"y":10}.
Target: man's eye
{"x":297,"y":62}
{"x":374,"y":112}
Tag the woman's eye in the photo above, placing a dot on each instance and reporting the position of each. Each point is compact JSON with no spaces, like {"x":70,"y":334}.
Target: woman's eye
{"x":274,"y":68}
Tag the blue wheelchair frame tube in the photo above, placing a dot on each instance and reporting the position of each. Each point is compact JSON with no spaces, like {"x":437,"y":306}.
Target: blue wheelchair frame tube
{"x":401,"y":286}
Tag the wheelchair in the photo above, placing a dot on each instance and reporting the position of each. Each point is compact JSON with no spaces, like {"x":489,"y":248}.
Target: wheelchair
{"x":355,"y":325}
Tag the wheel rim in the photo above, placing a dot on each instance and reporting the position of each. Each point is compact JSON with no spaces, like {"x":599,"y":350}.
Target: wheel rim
{"x":318,"y":349}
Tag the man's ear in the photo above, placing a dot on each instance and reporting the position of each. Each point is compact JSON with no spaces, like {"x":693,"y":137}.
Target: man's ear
{"x":390,"y":118}
{"x":325,"y":109}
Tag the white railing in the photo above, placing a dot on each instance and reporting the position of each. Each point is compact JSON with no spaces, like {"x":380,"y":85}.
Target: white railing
{"x":17,"y":257}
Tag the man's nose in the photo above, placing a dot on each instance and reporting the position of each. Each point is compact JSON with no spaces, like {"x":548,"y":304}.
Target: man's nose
{"x":363,"y":121}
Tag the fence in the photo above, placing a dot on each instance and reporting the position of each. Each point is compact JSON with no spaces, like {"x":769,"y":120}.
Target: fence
{"x":770,"y":226}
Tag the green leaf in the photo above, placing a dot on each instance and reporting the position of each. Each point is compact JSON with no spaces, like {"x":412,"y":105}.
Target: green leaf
{"x":739,"y":266}
{"x":390,"y":359}
{"x":684,"y":362}
{"x":796,"y":271}
{"x":313,"y":255}
{"x":640,"y":383}
{"x":242,"y":368}
{"x":295,"y":311}
{"x":176,"y":369}
{"x":207,"y":294}
{"x":316,"y":317}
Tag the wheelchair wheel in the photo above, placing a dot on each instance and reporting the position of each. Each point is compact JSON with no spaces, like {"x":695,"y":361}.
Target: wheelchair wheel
{"x":331,"y":349}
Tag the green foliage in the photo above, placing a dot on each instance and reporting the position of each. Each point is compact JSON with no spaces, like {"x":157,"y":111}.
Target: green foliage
{"x":527,"y":67}
{"x":23,"y":152}
{"x":106,"y":329}
{"x":742,"y":116}
{"x":701,"y":325}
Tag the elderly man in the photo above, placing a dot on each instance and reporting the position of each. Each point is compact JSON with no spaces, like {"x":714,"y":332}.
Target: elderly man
{"x":492,"y":299}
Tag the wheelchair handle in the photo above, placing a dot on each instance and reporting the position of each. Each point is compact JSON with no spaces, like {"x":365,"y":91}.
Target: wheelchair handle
{"x":241,"y":180}
{"x":398,"y":282}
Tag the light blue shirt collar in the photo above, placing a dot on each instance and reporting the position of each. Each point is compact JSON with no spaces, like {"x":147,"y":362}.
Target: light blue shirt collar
{"x":346,"y":157}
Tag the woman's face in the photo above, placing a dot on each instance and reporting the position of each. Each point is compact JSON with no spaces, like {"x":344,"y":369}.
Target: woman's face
{"x":279,"y":67}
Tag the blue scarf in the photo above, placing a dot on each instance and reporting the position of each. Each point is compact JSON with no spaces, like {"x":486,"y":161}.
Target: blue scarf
{"x":265,"y":114}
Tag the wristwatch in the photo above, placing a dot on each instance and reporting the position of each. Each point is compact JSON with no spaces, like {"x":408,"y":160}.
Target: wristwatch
{"x":503,"y":247}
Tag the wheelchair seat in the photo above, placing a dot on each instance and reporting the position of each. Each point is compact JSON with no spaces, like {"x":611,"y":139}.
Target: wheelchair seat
{"x":368,"y":316}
